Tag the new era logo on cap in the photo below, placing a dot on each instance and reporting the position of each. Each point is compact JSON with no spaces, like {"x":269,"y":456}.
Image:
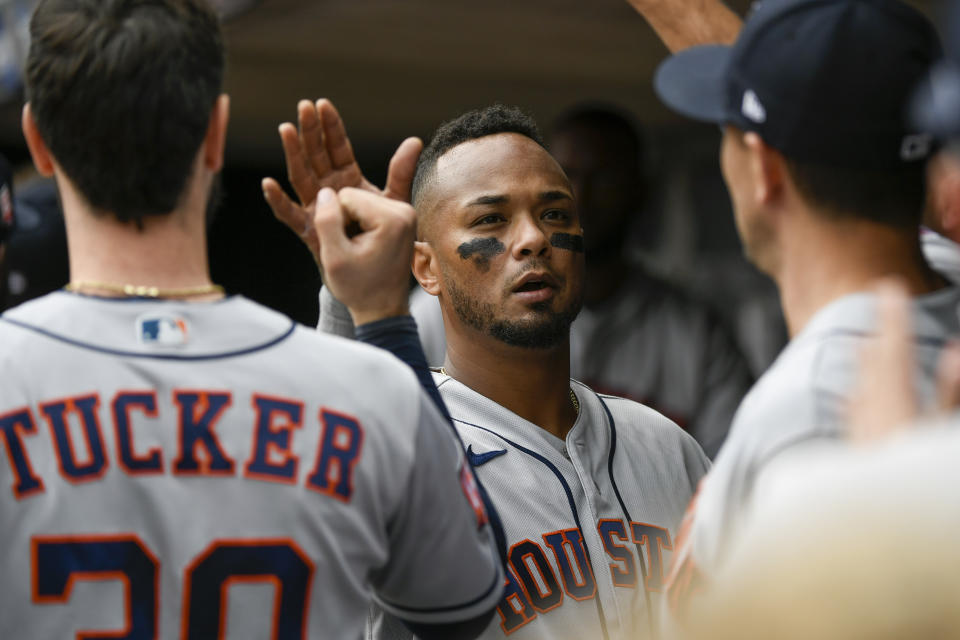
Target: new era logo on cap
{"x":752,"y":108}
{"x":822,"y":81}
{"x":916,"y":146}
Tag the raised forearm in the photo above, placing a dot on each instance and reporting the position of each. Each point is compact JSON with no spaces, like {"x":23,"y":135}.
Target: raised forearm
{"x":686,"y":23}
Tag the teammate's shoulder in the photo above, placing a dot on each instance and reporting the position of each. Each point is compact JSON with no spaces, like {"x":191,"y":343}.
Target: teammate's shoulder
{"x":635,"y":418}
{"x":352,"y":357}
{"x":642,"y":433}
{"x":15,"y":320}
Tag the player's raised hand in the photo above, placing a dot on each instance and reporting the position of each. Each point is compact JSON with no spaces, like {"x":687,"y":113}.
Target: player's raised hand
{"x":318,"y":154}
{"x":366,"y":245}
{"x":686,"y":23}
{"x":885,"y":400}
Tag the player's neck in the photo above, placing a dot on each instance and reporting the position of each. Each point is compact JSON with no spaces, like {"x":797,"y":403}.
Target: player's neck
{"x":532,"y":383}
{"x":170,"y":252}
{"x":824,"y":261}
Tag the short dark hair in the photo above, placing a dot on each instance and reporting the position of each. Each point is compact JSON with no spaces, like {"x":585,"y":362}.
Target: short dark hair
{"x":122,"y":92}
{"x":892,"y":197}
{"x":478,"y":123}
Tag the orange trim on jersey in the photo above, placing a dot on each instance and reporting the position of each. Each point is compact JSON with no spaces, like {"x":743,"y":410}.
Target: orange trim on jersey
{"x":335,"y":462}
{"x":70,"y":406}
{"x":30,"y":428}
{"x":150,"y":413}
{"x":272,"y":447}
{"x":684,"y":577}
{"x":249,"y":579}
{"x":616,"y":570}
{"x":278,"y":591}
{"x":203,"y":404}
{"x":564,"y":542}
{"x":546,"y":583}
{"x":662,"y":544}
{"x":527,"y":616}
{"x":92,"y":576}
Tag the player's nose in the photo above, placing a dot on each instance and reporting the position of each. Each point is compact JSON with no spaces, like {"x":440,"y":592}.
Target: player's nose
{"x":530,"y":237}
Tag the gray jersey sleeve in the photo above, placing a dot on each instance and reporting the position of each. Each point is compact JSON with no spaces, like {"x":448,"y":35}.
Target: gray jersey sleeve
{"x":442,"y":523}
{"x":335,"y":318}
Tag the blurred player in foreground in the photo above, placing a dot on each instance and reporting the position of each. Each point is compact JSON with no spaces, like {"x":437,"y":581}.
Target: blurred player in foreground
{"x":590,"y":487}
{"x":892,"y":488}
{"x":178,"y":463}
{"x":827,"y":183}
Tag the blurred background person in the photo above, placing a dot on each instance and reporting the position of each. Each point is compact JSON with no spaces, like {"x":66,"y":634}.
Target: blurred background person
{"x":938,"y":110}
{"x":6,"y":222}
{"x":37,"y":258}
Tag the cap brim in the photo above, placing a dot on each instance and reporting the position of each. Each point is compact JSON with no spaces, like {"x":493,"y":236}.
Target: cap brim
{"x":935,"y":105}
{"x":693,"y":82}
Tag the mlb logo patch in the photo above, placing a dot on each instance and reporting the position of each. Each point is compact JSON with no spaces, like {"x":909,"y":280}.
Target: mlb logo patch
{"x":162,"y":331}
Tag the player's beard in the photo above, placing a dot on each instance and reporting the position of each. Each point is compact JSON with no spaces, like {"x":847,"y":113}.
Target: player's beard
{"x":547,"y":330}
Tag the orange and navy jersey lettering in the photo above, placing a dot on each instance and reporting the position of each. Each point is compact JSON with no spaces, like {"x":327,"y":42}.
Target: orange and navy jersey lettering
{"x":13,"y":426}
{"x":136,"y":420}
{"x":685,"y":577}
{"x":60,"y":415}
{"x":540,"y":576}
{"x":124,"y":405}
{"x":277,"y":562}
{"x":57,"y":562}
{"x":340,"y":447}
{"x":199,"y":412}
{"x":276,"y":420}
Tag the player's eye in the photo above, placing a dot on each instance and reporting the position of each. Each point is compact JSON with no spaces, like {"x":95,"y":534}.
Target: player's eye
{"x":487,"y":219}
{"x":559,"y":215}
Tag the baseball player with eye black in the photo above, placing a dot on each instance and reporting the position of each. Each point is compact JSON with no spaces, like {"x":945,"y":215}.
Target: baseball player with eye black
{"x":181,"y":463}
{"x":590,"y":488}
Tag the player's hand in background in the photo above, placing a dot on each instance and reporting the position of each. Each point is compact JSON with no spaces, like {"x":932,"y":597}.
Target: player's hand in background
{"x":366,"y":245}
{"x":319,"y":155}
{"x":885,"y":400}
{"x":681,"y":24}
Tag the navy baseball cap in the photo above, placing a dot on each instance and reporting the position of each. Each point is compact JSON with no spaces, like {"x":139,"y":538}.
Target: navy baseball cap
{"x":821,"y":81}
{"x":936,"y":104}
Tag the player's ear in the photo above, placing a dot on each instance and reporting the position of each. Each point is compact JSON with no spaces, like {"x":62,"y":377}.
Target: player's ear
{"x":216,"y":137}
{"x":42,"y":158}
{"x":767,"y":167}
{"x":425,"y":267}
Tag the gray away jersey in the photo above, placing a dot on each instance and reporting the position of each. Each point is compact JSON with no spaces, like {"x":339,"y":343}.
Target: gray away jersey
{"x":590,"y":521}
{"x":649,"y":342}
{"x":799,"y":402}
{"x":189,"y":470}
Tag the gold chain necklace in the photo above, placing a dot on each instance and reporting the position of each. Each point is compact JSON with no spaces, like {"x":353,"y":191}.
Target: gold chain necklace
{"x":143,"y":291}
{"x":573,"y":396}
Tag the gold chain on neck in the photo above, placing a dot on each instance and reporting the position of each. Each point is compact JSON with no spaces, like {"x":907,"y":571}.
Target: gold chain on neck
{"x":144,"y":291}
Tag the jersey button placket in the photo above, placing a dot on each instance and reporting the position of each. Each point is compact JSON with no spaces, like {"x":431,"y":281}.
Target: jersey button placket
{"x":592,"y":539}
